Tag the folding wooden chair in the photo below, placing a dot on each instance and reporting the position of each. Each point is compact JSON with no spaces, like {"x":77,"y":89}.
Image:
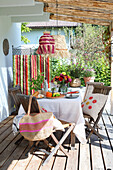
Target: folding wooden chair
{"x":35,"y":108}
{"x":13,"y":92}
{"x":90,"y":122}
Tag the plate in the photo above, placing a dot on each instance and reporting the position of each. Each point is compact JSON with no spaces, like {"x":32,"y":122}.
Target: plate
{"x":73,"y":92}
{"x":71,"y":97}
{"x":61,"y":96}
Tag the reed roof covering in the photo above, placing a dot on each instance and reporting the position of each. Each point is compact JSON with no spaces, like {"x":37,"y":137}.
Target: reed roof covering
{"x":98,"y":12}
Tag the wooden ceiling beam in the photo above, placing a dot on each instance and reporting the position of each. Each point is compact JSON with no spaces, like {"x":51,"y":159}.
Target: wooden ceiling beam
{"x":80,"y":13}
{"x":80,"y":20}
{"x":108,"y":5}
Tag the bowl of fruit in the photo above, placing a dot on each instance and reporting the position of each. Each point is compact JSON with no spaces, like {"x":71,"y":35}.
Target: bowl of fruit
{"x":54,"y":95}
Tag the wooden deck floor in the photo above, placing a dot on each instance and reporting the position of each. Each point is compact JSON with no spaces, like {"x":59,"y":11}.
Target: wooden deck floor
{"x":95,"y":155}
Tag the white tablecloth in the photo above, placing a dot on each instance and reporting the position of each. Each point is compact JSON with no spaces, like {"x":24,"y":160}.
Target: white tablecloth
{"x":68,"y":110}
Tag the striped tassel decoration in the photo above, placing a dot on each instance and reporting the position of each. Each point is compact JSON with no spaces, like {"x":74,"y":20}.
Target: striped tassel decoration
{"x":48,"y":71}
{"x":26,"y":67}
{"x":22,"y":73}
{"x":14,"y":72}
{"x":29,"y":74}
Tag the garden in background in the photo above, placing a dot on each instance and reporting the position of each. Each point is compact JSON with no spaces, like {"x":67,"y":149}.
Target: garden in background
{"x":90,"y":54}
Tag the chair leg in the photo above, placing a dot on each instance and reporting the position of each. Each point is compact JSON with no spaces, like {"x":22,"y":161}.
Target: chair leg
{"x":58,"y":145}
{"x":33,"y":145}
{"x":92,"y":131}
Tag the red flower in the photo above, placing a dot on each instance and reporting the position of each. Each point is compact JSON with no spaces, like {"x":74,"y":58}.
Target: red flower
{"x":94,"y":101}
{"x":90,"y":98}
{"x":60,"y":79}
{"x":90,"y":107}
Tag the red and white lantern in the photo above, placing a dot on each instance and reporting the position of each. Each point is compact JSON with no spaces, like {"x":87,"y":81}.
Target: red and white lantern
{"x":46,"y":44}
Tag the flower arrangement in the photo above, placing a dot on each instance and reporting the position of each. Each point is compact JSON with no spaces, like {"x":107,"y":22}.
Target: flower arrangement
{"x":88,"y":72}
{"x":62,"y":79}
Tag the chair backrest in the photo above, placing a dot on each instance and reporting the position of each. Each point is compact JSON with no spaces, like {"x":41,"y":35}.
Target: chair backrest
{"x":24,"y":100}
{"x":101,"y":90}
{"x":90,"y":87}
{"x":13,"y":92}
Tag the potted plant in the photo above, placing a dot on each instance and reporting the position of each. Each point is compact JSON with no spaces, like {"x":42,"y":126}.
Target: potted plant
{"x":75,"y":73}
{"x":88,"y":75}
{"x":36,"y":83}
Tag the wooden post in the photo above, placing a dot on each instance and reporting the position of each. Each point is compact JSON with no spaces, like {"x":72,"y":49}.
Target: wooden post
{"x":112,"y":69}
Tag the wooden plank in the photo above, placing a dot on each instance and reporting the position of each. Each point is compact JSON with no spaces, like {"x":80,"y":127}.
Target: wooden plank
{"x":72,"y":161}
{"x":84,"y":157}
{"x":6,"y":121}
{"x":80,"y":20}
{"x":106,"y":150}
{"x":38,"y":158}
{"x":49,"y":165}
{"x":79,"y":13}
{"x":13,"y":159}
{"x":9,"y":150}
{"x":111,"y":118}
{"x":6,"y":126}
{"x":96,"y":153}
{"x":108,"y":128}
{"x":90,"y":4}
{"x":23,"y":161}
{"x":60,"y":160}
{"x":35,"y":161}
{"x":6,"y":142}
{"x":5,"y":134}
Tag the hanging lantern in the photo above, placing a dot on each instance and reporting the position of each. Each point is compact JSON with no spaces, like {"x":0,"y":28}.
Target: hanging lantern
{"x":60,"y":46}
{"x":46,"y":44}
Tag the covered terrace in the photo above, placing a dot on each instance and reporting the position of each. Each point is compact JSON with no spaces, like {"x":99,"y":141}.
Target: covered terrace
{"x":94,"y":155}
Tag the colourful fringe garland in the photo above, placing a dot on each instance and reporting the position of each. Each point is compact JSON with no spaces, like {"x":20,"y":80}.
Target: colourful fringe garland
{"x":26,"y":67}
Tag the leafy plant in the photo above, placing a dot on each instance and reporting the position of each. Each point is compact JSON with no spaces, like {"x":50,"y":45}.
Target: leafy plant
{"x":75,"y":70}
{"x":88,"y":72}
{"x":36,"y":83}
{"x":58,"y":66}
{"x":24,"y":28}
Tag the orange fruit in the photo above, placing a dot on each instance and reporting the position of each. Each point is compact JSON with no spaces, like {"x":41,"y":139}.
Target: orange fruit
{"x":48,"y":94}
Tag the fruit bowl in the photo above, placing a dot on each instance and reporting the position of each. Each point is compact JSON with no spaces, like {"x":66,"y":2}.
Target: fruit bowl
{"x":57,"y":97}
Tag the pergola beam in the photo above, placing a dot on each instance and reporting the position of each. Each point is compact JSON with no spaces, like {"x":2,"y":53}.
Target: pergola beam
{"x":79,"y":13}
{"x":37,"y":9}
{"x":101,"y":5}
{"x":80,"y":20}
{"x":33,"y":18}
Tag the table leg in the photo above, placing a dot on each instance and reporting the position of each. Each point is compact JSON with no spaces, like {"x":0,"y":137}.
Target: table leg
{"x":72,"y":140}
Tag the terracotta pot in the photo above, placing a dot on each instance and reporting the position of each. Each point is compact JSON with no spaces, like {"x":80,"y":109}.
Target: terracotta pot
{"x":90,"y":79}
{"x":75,"y":82}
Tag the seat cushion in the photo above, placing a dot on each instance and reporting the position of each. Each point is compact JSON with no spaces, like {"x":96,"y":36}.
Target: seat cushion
{"x":93,"y":103}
